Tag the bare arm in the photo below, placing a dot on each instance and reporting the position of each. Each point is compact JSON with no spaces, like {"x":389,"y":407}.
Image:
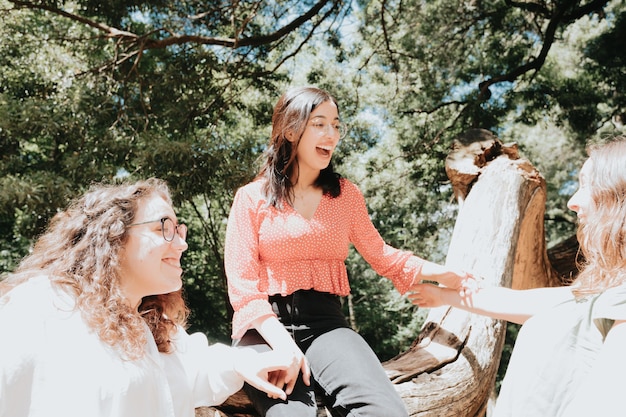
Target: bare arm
{"x":281,"y":342}
{"x":515,"y":306}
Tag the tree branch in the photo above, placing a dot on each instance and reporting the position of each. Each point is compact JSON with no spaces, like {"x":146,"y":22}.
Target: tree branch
{"x":383,"y":10}
{"x":593,"y":6}
{"x":537,"y":8}
{"x":304,"y":41}
{"x":111,"y":32}
{"x":560,"y":16}
{"x":534,"y":64}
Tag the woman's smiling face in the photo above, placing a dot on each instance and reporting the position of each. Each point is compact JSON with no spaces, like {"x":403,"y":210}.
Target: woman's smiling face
{"x":150,"y":265}
{"x":319,"y":139}
{"x":581,"y":202}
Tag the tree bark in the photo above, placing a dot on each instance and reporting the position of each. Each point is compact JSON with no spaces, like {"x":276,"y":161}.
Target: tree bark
{"x":451,"y":368}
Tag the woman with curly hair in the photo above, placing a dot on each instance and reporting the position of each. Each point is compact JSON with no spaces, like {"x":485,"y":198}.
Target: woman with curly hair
{"x":287,"y":240}
{"x":92,"y":321}
{"x":569,"y":356}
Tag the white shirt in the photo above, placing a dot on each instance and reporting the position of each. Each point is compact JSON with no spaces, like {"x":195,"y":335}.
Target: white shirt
{"x":555,"y":354}
{"x":52,"y":364}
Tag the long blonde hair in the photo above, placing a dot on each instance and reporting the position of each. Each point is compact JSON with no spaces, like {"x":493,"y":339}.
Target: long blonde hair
{"x":602,"y":235}
{"x":80,"y":253}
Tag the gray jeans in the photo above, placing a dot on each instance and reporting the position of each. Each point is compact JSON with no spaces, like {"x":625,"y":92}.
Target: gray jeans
{"x":347,"y":376}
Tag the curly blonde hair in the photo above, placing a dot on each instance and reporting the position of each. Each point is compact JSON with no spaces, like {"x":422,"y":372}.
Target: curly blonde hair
{"x":80,"y":253}
{"x":602,"y":235}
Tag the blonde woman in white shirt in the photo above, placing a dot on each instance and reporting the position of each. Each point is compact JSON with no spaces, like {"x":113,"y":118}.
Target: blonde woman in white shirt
{"x":92,"y":321}
{"x":569,"y":358}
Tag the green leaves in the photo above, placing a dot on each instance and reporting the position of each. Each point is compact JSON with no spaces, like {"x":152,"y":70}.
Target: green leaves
{"x":93,"y":90}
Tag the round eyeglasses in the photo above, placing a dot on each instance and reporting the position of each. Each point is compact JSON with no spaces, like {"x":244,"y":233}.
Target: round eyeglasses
{"x":334,"y":129}
{"x":168,"y":228}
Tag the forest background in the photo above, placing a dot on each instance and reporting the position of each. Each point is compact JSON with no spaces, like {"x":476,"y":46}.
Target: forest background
{"x":95,"y":91}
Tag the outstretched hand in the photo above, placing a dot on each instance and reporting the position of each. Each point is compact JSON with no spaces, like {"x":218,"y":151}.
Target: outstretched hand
{"x":288,"y":377}
{"x":467,"y":284}
{"x":455,"y":284}
{"x":462,"y":281}
{"x":258,"y":370}
{"x":427,"y":295}
{"x":458,"y":280}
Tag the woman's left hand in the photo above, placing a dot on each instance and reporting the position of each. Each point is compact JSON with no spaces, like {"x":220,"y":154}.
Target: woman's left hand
{"x":459,"y":280}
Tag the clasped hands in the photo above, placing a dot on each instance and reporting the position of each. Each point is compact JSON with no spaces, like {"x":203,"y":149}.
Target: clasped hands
{"x":273,"y":371}
{"x":429,"y":295}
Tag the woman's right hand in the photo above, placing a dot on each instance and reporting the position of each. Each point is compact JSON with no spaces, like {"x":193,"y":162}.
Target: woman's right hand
{"x":286,"y":378}
{"x":281,"y":342}
{"x":257,"y":368}
{"x":427,"y":295}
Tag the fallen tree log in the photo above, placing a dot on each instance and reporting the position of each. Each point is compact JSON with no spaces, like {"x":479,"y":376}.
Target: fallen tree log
{"x":451,"y":368}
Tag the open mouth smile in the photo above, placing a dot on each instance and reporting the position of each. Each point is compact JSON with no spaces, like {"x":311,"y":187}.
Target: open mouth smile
{"x":324,"y":150}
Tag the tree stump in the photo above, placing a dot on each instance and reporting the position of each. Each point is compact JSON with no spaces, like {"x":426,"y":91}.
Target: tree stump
{"x":471,"y":151}
{"x":499,"y":234}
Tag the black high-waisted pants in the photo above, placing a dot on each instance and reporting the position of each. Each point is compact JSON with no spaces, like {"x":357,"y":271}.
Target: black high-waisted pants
{"x":346,"y":374}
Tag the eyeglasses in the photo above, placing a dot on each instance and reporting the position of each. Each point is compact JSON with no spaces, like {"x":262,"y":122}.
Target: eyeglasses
{"x":331,"y":129}
{"x":168,"y":228}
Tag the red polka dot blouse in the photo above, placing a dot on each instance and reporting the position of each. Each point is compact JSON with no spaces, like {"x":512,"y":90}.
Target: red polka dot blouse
{"x":270,"y":251}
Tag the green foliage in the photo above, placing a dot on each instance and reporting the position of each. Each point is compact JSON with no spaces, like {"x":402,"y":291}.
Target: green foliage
{"x":80,"y":104}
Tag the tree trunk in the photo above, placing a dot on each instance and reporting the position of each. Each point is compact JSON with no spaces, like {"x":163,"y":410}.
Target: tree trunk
{"x":450,"y":368}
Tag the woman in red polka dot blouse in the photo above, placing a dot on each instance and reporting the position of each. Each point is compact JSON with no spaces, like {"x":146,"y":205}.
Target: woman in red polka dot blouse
{"x":287,"y":239}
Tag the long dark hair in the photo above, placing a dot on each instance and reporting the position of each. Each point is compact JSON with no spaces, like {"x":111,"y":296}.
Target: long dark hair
{"x":291,"y":114}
